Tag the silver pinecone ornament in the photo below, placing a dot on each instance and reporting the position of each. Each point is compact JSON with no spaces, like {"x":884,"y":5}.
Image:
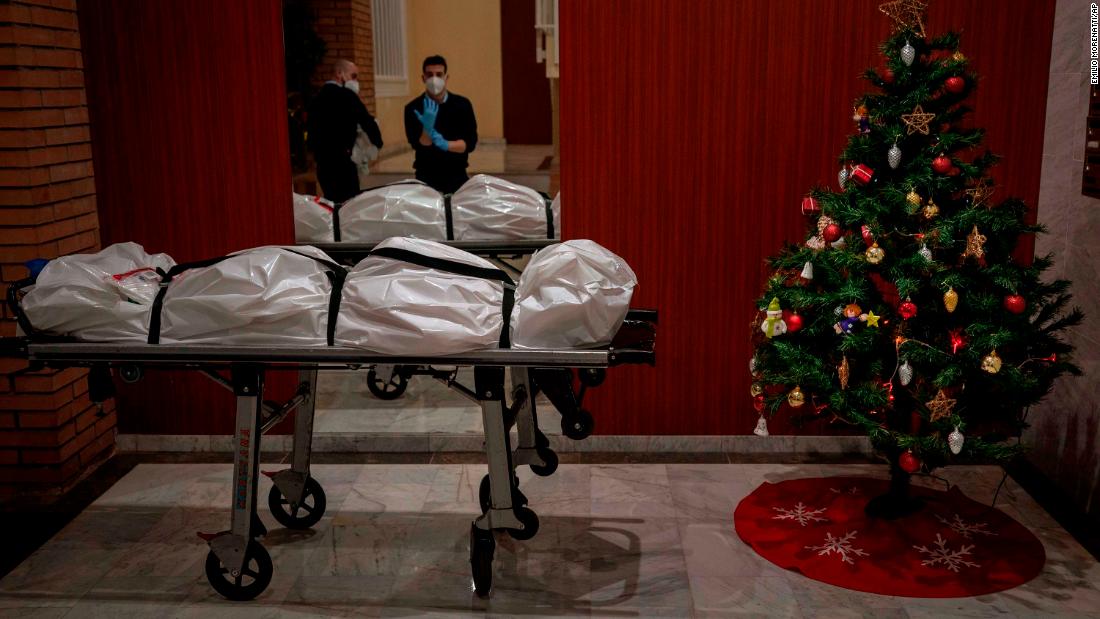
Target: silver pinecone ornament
{"x":893,"y":156}
{"x":905,"y":373}
{"x":842,"y":177}
{"x":808,"y":270}
{"x":752,"y":365}
{"x":925,"y":253}
{"x":761,"y":427}
{"x":954,"y":440}
{"x":908,"y":54}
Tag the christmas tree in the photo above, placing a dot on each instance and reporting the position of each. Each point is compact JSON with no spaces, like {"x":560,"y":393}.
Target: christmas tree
{"x":904,"y":313}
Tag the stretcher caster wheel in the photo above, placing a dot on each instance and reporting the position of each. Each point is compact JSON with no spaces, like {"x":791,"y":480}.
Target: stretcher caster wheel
{"x":303,"y":515}
{"x":592,"y":377}
{"x":578,"y":425}
{"x":250,"y":582}
{"x":550,"y":458}
{"x":129,"y":373}
{"x":387,"y":389}
{"x":530,"y":522}
{"x":540,"y":439}
{"x":484,"y":494}
{"x":482,"y":548}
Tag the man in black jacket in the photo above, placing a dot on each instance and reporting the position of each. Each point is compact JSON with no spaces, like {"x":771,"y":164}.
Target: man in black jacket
{"x":334,"y":118}
{"x":441,"y":128}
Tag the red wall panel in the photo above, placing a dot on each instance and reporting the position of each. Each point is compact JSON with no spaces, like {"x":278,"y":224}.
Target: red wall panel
{"x":527,"y":112}
{"x":691,"y":129}
{"x":189,"y":136}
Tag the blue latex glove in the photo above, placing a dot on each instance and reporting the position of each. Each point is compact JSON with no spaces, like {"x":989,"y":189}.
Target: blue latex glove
{"x":427,"y":118}
{"x":440,"y":142}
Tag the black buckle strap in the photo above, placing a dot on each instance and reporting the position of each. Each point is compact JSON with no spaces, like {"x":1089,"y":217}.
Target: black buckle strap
{"x":166,"y":278}
{"x":549,"y":217}
{"x":450,"y":217}
{"x":460,"y":268}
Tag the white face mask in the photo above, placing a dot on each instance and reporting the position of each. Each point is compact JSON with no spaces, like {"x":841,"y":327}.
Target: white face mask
{"x":352,"y":85}
{"x":434,"y":85}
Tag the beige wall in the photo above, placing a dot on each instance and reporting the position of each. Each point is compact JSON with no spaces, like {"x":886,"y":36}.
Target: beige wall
{"x":467,"y":34}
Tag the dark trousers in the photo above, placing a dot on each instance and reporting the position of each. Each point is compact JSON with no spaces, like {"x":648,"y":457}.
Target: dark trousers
{"x":339,"y":178}
{"x":443,"y":183}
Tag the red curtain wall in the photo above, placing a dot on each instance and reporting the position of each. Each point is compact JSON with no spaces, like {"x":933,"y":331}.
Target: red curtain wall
{"x":189,"y":135}
{"x":690,"y":130}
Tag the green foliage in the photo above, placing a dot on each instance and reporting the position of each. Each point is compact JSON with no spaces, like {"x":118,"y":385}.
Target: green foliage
{"x":988,"y":406}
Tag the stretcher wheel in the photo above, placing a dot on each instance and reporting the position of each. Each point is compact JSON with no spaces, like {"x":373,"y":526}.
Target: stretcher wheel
{"x":301,"y":516}
{"x":253,"y":579}
{"x":530,"y":521}
{"x":482,"y":548}
{"x":550,"y":458}
{"x":387,"y":390}
{"x":485,"y":499}
{"x":577,"y":425}
{"x":592,"y":377}
{"x":129,"y":373}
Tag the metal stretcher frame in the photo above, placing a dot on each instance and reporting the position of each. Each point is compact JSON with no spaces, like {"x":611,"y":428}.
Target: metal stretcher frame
{"x":237,"y":565}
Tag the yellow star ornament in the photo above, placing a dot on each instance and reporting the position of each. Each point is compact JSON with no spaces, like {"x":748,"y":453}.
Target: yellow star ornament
{"x":917,"y":121}
{"x":872,"y":320}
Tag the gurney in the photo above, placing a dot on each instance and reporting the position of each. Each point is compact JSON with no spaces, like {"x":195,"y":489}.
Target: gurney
{"x":237,"y":564}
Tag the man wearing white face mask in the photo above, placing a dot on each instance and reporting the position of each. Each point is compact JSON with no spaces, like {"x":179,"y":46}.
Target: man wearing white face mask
{"x":335,"y":117}
{"x":441,"y":127}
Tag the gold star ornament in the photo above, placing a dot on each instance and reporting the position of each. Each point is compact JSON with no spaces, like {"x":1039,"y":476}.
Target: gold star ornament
{"x":975,"y":245}
{"x":940,"y":406}
{"x":979,"y":195}
{"x":906,"y":14}
{"x":917,"y":122}
{"x":872,"y":319}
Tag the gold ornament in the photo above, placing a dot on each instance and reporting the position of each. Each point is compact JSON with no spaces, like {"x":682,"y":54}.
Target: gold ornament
{"x":874,"y":254}
{"x":842,"y":372}
{"x":906,"y":14}
{"x":931,"y":210}
{"x":958,"y":57}
{"x":917,"y":121}
{"x":940,"y":406}
{"x":991,"y":363}
{"x":950,"y":300}
{"x":913,"y":198}
{"x":796,"y":398}
{"x":979,"y":195}
{"x":872,"y":319}
{"x":756,"y":389}
{"x":975,"y":242}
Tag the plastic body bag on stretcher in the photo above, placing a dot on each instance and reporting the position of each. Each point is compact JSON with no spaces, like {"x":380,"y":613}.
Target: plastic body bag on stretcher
{"x":312,"y":219}
{"x":490,"y":208}
{"x":574,"y":294}
{"x":275,"y":296}
{"x":392,"y":305}
{"x":101,"y":297}
{"x":406,"y":208}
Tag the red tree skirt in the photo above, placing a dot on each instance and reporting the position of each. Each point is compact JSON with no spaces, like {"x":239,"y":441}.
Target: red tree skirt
{"x":953,"y":547}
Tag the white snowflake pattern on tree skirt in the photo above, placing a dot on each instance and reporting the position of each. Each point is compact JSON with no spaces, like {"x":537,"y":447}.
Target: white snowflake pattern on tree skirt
{"x":941,"y":555}
{"x":841,"y":546}
{"x":965,"y":529}
{"x":800,"y":513}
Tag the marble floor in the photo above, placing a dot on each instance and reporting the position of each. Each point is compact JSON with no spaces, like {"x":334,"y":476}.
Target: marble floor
{"x":625,"y":540}
{"x":344,"y":405}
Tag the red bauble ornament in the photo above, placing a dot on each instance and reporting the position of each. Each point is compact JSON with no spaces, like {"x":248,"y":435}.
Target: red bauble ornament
{"x":888,"y":76}
{"x":907,"y":309}
{"x":794,"y":323}
{"x":908,"y":462}
{"x":831,"y":233}
{"x":942,"y":164}
{"x":810,"y":206}
{"x":1015,"y":304}
{"x":758,"y":403}
{"x":954,"y":84}
{"x":867,"y":237}
{"x":862,"y":174}
{"x":954,"y":171}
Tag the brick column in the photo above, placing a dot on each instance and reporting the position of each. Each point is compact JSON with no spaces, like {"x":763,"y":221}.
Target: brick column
{"x":345,"y":27}
{"x":51,"y":435}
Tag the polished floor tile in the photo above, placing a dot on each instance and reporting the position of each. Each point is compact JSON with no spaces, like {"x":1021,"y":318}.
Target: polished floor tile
{"x":616,"y":540}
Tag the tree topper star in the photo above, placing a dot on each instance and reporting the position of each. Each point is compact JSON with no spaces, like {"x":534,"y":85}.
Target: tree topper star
{"x":906,"y":14}
{"x":917,"y":121}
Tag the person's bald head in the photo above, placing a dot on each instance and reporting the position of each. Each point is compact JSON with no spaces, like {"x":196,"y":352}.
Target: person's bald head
{"x":344,"y":71}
